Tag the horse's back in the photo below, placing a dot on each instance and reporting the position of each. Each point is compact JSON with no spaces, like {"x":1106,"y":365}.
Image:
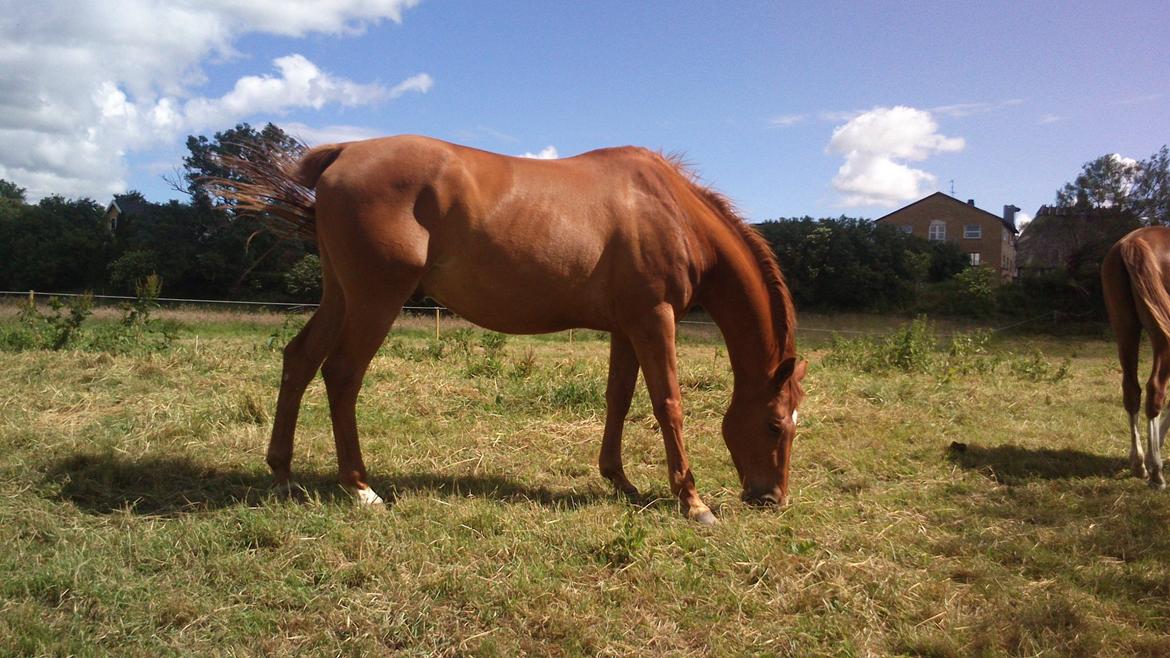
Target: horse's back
{"x":517,"y":244}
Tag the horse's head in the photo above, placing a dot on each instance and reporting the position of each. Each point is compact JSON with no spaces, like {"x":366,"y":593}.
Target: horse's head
{"x":759,"y":428}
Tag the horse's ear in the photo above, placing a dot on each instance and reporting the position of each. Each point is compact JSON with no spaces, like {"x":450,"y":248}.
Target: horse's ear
{"x":790,"y":368}
{"x":784,"y":371}
{"x":801,"y":370}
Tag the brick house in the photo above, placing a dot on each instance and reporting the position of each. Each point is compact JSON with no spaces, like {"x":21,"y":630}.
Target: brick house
{"x":987,"y":239}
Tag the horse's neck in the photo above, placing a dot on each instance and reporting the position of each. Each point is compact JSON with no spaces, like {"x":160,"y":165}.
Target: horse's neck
{"x":736,"y":295}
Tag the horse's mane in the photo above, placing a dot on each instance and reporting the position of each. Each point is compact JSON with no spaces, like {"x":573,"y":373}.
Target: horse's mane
{"x":779,"y":296}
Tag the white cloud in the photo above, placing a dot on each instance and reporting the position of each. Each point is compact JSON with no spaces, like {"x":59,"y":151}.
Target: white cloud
{"x":300,"y":84}
{"x":84,"y":83}
{"x":1049,"y":118}
{"x":876,"y":145}
{"x":327,"y":135}
{"x":421,"y":83}
{"x":547,"y":153}
{"x":1022,"y":220}
{"x":787,"y":120}
{"x":1122,"y":160}
{"x":961,"y":110}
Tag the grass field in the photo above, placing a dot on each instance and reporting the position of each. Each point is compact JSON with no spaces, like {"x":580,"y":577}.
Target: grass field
{"x":949,"y":512}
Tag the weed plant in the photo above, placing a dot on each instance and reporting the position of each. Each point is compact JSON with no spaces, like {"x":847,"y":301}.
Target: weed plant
{"x":917,"y":348}
{"x":67,"y":325}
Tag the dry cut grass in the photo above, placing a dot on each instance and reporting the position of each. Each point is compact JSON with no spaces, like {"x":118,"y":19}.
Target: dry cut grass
{"x":971,"y":514}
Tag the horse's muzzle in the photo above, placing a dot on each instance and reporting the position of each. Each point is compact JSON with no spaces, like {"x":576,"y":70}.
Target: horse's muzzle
{"x":769,"y":498}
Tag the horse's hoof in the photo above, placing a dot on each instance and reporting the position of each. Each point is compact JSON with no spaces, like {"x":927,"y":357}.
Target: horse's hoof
{"x":365,"y":497}
{"x":621,"y":484}
{"x":703,"y":516}
{"x":629,"y":491}
{"x":1139,"y":471}
{"x":287,"y":489}
{"x":1157,"y":485}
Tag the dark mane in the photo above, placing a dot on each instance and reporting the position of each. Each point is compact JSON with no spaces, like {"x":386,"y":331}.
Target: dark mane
{"x":778,"y":293}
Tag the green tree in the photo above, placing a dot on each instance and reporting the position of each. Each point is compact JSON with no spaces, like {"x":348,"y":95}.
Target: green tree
{"x":57,"y":244}
{"x":1141,"y":187}
{"x":1152,"y":189}
{"x":303,"y":279}
{"x":856,"y":264}
{"x":1103,"y":183}
{"x":203,"y":159}
{"x":11,"y":193}
{"x":257,"y":259}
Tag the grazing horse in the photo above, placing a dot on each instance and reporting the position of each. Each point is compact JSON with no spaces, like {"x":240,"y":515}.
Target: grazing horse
{"x":622,"y":240}
{"x":1135,"y":276}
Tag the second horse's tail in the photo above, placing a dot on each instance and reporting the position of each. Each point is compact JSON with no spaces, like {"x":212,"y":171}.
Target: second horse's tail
{"x":1143,"y":263}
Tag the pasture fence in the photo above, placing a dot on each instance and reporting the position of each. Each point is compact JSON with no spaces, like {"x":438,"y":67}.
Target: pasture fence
{"x":439,"y":312}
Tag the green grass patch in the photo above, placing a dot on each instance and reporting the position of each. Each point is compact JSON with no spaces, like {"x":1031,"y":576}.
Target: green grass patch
{"x":952,"y":496}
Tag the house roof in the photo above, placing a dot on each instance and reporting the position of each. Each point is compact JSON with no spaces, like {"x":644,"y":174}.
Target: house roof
{"x":127,"y":203}
{"x":1058,"y":233}
{"x":957,"y":202}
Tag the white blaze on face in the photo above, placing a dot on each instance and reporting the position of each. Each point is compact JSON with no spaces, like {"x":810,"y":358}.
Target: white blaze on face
{"x":795,"y":417}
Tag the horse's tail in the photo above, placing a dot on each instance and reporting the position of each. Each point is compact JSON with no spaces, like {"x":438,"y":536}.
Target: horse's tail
{"x":314,"y":163}
{"x":275,"y":183}
{"x":1144,"y":266}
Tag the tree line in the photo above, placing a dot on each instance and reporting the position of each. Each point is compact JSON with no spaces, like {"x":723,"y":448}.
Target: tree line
{"x":199,"y":249}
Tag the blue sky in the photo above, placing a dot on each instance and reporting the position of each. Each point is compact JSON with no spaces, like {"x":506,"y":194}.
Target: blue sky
{"x":790,"y":108}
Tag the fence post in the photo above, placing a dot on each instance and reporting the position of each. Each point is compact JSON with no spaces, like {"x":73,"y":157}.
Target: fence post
{"x":32,"y":298}
{"x":436,"y":323}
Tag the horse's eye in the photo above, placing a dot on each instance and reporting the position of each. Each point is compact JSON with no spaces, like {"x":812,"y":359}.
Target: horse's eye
{"x":774,"y":426}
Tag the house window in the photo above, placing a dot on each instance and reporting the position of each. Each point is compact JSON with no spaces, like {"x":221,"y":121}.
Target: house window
{"x":975,"y":258}
{"x":937,"y":231}
{"x":906,"y":229}
{"x":972,"y":231}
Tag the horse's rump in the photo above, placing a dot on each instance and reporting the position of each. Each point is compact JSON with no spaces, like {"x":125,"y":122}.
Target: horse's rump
{"x":1141,"y":259}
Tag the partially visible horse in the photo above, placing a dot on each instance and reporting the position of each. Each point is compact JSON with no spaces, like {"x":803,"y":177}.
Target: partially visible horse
{"x":1135,"y":276}
{"x":622,"y":240}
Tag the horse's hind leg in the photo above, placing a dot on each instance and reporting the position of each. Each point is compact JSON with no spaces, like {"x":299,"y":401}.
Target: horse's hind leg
{"x":302,"y":358}
{"x":1128,"y":344}
{"x":653,"y":340}
{"x":1127,"y":331}
{"x":623,"y":377}
{"x":1155,"y":408}
{"x":367,"y":320}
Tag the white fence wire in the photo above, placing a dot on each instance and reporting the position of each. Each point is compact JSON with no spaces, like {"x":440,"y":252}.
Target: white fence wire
{"x":439,"y":310}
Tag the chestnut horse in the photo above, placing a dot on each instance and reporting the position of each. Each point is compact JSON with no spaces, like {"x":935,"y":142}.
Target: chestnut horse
{"x":621,"y":240}
{"x":1135,"y":276}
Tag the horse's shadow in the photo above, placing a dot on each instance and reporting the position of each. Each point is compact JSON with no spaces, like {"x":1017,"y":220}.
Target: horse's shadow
{"x":172,"y":486}
{"x":1009,"y":464}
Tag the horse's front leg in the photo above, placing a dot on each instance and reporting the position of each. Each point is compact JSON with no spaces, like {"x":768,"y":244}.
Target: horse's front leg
{"x":653,"y":342}
{"x":623,"y":377}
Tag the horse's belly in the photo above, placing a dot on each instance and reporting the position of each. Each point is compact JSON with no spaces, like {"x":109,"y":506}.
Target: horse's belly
{"x":518,"y":305}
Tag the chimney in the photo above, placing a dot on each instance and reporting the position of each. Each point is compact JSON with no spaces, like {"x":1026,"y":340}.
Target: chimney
{"x":971,"y":202}
{"x":1009,"y":215}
